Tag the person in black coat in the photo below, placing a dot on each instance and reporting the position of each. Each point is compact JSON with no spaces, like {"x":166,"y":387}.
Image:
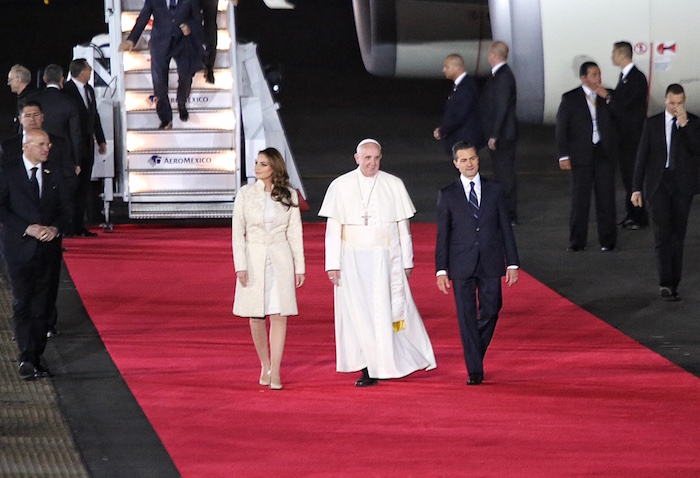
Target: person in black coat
{"x":33,"y":213}
{"x":59,"y":160}
{"x":628,"y":106}
{"x":176,"y":33}
{"x":475,"y":243}
{"x":19,"y":79}
{"x":60,"y":113}
{"x":83,"y":95}
{"x":587,"y":146}
{"x":499,"y":124}
{"x":460,"y":121}
{"x":666,"y":178}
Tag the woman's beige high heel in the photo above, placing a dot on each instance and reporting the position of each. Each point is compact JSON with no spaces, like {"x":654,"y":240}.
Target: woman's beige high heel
{"x":265,"y":379}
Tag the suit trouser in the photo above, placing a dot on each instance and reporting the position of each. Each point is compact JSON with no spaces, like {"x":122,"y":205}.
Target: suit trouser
{"x":185,"y":59}
{"x":600,"y":177}
{"x":31,"y":305}
{"x":83,"y":196}
{"x":503,"y":161}
{"x":209,"y":11}
{"x":477,"y":328}
{"x":669,"y":214}
{"x":628,"y":156}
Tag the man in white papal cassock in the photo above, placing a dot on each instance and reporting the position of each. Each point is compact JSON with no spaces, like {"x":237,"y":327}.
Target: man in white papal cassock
{"x":369,"y":258}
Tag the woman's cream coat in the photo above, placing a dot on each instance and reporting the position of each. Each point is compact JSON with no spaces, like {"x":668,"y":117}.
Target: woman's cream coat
{"x":252,"y":244}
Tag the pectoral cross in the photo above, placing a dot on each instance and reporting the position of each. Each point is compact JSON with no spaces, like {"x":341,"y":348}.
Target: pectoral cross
{"x":365,"y":216}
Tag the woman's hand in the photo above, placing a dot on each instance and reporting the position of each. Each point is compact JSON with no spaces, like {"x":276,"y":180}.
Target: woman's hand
{"x":242,"y":278}
{"x":299,"y":280}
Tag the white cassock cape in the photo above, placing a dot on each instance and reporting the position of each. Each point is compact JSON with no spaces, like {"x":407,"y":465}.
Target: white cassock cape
{"x":377,"y":324}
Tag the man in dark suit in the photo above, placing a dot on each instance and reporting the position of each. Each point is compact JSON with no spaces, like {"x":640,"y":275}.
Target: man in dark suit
{"x":60,"y":114}
{"x":460,"y":121}
{"x":33,"y":213}
{"x":498,"y":121}
{"x":83,"y":96}
{"x":587,"y":146}
{"x":59,"y":160}
{"x":176,"y":33}
{"x":628,"y":106}
{"x":475,"y":242}
{"x":667,"y":170}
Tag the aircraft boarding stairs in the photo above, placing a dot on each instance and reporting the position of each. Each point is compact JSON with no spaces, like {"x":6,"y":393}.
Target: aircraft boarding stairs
{"x":195,"y":169}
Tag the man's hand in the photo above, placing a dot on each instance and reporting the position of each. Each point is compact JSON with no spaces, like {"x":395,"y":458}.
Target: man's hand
{"x":242,"y":278}
{"x":436,"y":134}
{"x":565,"y":164}
{"x":636,"y":199}
{"x":41,"y":233}
{"x":77,"y":170}
{"x":102,"y":148}
{"x":299,"y":280}
{"x":681,"y":116}
{"x":185,"y":29}
{"x":492,"y":144}
{"x":602,"y":92}
{"x":443,"y":283}
{"x":127,"y":45}
{"x":511,"y":276}
{"x":334,"y":276}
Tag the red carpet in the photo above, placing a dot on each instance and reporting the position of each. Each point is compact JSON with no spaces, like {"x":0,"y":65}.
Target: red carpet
{"x":565,"y":394}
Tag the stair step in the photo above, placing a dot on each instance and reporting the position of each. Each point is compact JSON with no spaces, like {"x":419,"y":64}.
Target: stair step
{"x":182,"y":161}
{"x":181,"y":184}
{"x":199,"y":99}
{"x":175,"y":210}
{"x":141,"y":80}
{"x":149,"y":140}
{"x":141,"y":59}
{"x":199,"y":119}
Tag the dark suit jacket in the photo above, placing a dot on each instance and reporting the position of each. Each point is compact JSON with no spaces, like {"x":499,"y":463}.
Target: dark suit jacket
{"x":651,"y":156}
{"x":19,"y":209}
{"x":460,"y":121}
{"x":90,"y":123}
{"x":61,"y":118}
{"x":574,"y":130}
{"x":464,"y":241}
{"x":166,"y":26}
{"x":628,"y":105}
{"x":497,"y":106}
{"x":60,"y":158}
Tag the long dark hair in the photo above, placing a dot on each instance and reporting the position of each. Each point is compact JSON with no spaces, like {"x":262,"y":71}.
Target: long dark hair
{"x":280,"y":177}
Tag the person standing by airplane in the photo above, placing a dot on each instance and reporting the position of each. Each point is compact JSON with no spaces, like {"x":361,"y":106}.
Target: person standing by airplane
{"x":628,"y":106}
{"x":498,"y":121}
{"x":667,"y":169}
{"x":587,"y":146}
{"x":460,"y":121}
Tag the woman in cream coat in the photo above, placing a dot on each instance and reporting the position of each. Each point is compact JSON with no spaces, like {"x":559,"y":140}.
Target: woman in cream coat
{"x":268,"y":254}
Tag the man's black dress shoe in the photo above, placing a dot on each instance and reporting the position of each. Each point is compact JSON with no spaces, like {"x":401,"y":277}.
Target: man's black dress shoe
{"x":184,"y":114}
{"x":366,"y":382}
{"x":41,"y":372}
{"x":27,"y":371}
{"x":607,"y":248}
{"x":631,"y":225}
{"x":209,"y":75}
{"x":475,"y":379}
{"x":575,"y":248}
{"x":166,"y":125}
{"x":52,"y":332}
{"x":86,"y":233}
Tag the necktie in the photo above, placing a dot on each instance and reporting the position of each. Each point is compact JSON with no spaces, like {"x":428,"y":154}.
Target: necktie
{"x":473,"y":200}
{"x":35,"y":183}
{"x":619,"y":81}
{"x":88,"y":96}
{"x":173,"y":5}
{"x":671,"y":148}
